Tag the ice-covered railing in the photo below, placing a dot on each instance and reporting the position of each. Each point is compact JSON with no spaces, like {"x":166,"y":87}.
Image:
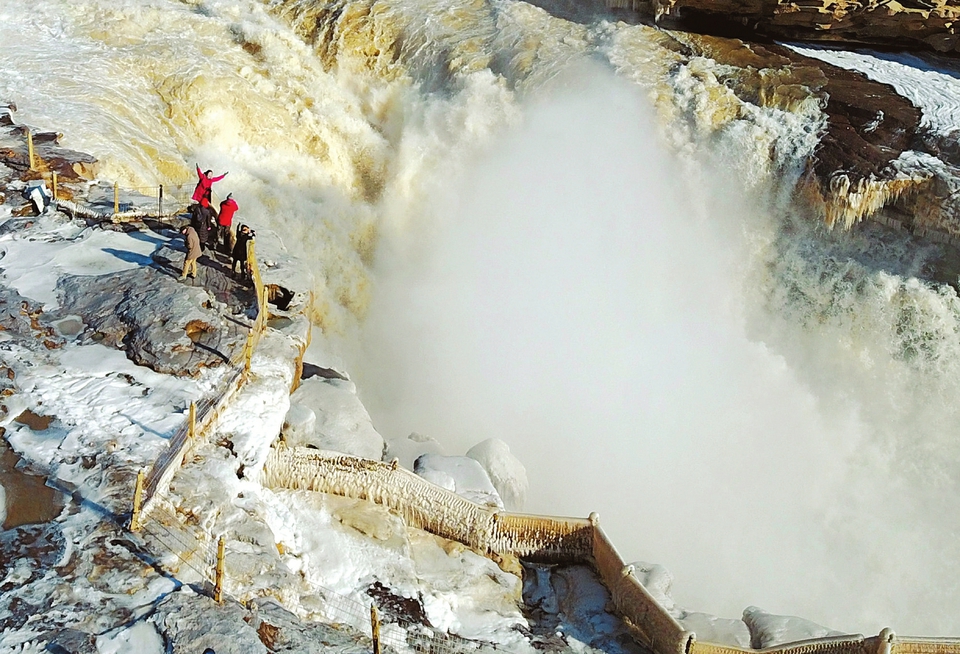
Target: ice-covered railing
{"x":429,"y":507}
{"x":204,"y":414}
{"x":540,"y":538}
{"x":103,"y":202}
{"x":169,"y":532}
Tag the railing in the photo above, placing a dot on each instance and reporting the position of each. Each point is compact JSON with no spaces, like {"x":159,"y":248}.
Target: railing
{"x":540,"y":538}
{"x":186,"y":544}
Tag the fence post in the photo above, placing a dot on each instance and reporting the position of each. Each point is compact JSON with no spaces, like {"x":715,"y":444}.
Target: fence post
{"x":218,"y":587}
{"x":375,"y":628}
{"x":137,"y":502}
{"x":116,"y":198}
{"x":55,"y":194}
{"x":248,"y":353}
{"x":192,"y":424}
{"x":160,"y":204}
{"x":33,"y":162}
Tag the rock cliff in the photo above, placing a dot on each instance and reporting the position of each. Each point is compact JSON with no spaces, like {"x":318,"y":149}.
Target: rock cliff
{"x":908,"y":23}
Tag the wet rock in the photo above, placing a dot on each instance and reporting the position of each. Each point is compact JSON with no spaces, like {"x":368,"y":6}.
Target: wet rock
{"x":190,"y":623}
{"x":868,"y":125}
{"x":71,"y":641}
{"x":157,"y":321}
{"x":49,"y":157}
{"x":281,"y":631}
{"x":924,"y":25}
{"x":22,"y":319}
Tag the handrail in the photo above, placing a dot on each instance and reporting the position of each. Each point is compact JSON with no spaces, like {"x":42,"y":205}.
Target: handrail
{"x":540,"y":538}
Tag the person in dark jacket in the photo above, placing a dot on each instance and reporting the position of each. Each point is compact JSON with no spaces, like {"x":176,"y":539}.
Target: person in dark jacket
{"x":225,"y":224}
{"x":204,"y":220}
{"x":239,"y":257}
{"x":204,"y":188}
{"x":192,"y":241}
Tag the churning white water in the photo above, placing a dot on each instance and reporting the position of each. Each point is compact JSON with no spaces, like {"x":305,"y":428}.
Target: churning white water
{"x":647,"y":348}
{"x":765,"y":409}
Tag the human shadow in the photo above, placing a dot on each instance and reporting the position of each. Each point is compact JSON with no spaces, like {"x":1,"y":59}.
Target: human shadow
{"x":130,"y":257}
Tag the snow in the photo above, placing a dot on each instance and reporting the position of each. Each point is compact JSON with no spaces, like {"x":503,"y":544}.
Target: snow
{"x":328,"y":415}
{"x":935,"y":91}
{"x":33,"y":265}
{"x":770,"y":630}
{"x":506,"y":472}
{"x":406,"y":450}
{"x":461,"y":475}
{"x":141,"y":637}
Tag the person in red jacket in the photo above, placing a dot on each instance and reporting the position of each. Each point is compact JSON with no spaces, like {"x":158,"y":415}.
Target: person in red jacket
{"x":225,"y":220}
{"x":204,"y":189}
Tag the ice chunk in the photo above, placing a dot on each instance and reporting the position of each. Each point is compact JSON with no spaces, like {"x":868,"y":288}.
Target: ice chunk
{"x":406,"y":450}
{"x":299,"y":425}
{"x":469,"y":478}
{"x":711,"y":629}
{"x":507,"y":474}
{"x":768,"y":630}
{"x":341,"y":423}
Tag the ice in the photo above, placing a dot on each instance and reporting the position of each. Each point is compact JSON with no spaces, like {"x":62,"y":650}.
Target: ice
{"x":141,"y":637}
{"x":406,"y":450}
{"x":934,"y":89}
{"x":460,"y":474}
{"x":340,"y":422}
{"x":506,"y":472}
{"x":769,"y":630}
{"x":33,"y":266}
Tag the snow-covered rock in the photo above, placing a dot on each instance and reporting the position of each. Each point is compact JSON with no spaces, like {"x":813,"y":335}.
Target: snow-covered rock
{"x":769,"y":630}
{"x":657,"y":581}
{"x":506,"y":473}
{"x":723,"y":631}
{"x":406,"y":450}
{"x":460,"y":474}
{"x":340,"y":422}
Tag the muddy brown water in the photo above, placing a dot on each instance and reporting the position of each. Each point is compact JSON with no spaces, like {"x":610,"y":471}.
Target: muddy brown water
{"x":29,"y":500}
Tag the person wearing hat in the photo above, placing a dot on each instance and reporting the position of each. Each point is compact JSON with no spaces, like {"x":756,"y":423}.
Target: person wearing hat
{"x":225,"y":221}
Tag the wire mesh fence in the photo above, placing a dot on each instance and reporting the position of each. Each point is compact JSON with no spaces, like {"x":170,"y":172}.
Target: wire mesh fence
{"x":187,"y":549}
{"x":112,"y":202}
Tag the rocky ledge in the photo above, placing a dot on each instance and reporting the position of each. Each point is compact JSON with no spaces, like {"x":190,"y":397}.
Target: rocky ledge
{"x":927,"y":24}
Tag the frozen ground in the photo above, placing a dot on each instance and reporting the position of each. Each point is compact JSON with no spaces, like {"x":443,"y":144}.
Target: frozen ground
{"x":294,"y":560}
{"x":109,"y":418}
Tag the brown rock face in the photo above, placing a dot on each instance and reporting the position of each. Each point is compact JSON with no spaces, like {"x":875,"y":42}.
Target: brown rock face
{"x":868,"y":125}
{"x":908,"y":23}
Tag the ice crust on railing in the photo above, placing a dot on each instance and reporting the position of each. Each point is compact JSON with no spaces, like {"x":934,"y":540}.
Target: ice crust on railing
{"x":427,"y":506}
{"x":549,"y":539}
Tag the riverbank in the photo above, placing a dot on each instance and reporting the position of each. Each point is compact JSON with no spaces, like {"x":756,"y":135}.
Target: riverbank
{"x":105,"y":351}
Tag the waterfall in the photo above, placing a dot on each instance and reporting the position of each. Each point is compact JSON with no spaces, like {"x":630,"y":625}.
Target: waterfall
{"x":555,"y":229}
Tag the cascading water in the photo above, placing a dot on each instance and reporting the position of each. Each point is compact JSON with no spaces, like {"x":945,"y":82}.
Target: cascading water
{"x":765,"y":408}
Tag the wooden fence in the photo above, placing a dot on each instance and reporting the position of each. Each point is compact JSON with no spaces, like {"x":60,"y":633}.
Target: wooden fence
{"x":541,"y":538}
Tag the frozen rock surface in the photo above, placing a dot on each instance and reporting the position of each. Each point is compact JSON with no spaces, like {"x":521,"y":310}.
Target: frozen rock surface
{"x":769,"y":630}
{"x":328,"y":415}
{"x":566,"y":608}
{"x":506,"y":472}
{"x":460,"y":474}
{"x":406,"y":450}
{"x":153,"y":318}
